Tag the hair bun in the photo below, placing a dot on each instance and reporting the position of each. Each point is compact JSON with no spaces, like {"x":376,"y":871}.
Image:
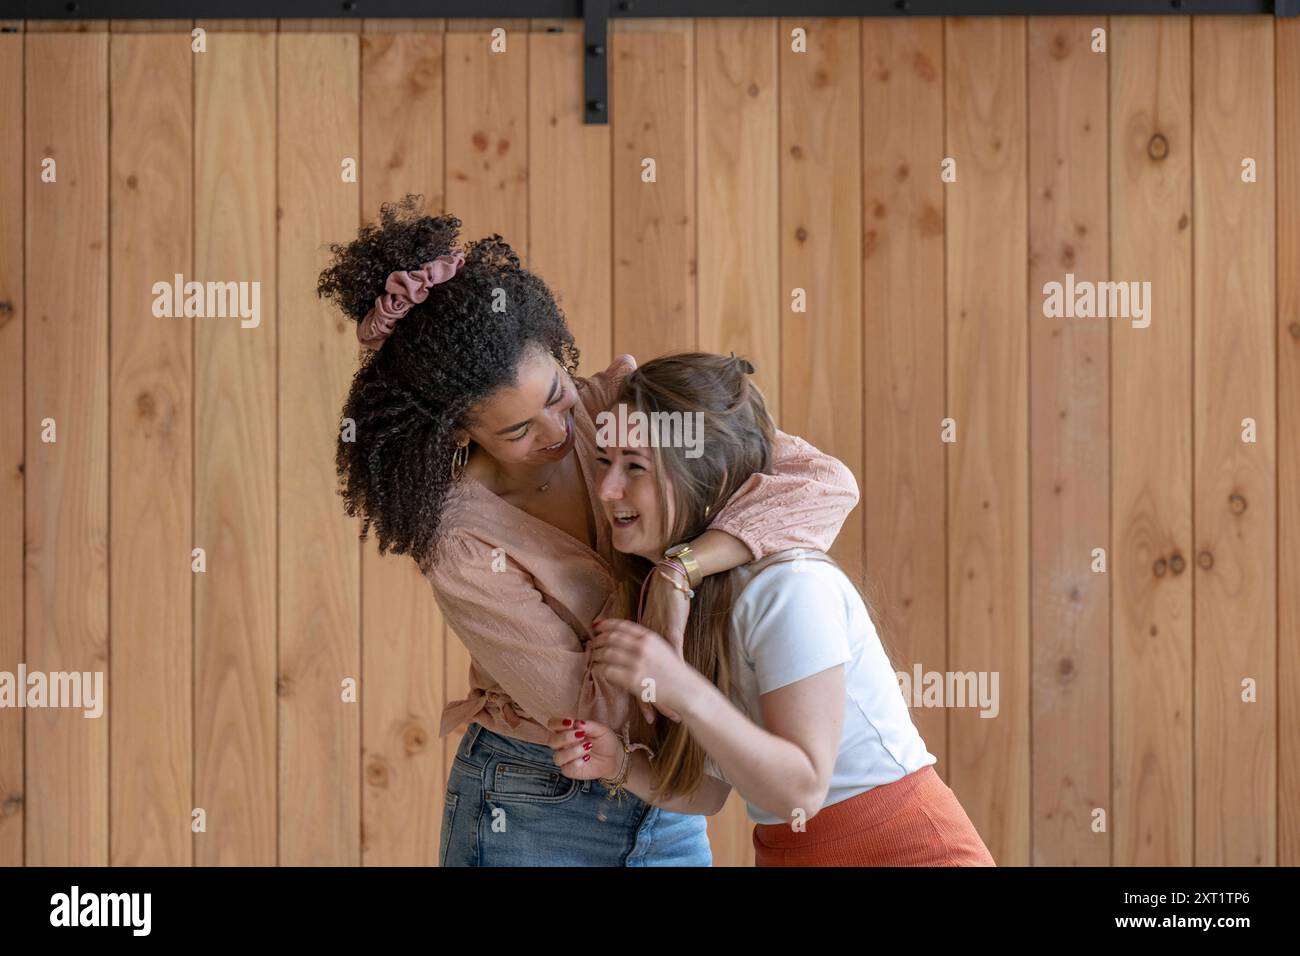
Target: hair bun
{"x":745,"y":365}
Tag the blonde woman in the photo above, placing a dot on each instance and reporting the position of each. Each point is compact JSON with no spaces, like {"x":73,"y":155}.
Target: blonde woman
{"x":782,"y":685}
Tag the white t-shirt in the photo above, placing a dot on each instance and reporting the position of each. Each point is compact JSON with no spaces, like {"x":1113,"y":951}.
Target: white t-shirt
{"x":794,"y":619}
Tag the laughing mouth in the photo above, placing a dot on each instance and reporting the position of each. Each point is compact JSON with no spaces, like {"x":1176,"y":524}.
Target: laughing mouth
{"x":623,"y":519}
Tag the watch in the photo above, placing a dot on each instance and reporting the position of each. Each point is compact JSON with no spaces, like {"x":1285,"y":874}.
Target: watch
{"x":684,"y":554}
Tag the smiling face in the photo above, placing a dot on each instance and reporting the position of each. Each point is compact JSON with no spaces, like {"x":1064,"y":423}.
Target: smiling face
{"x":629,"y":492}
{"x":530,"y":422}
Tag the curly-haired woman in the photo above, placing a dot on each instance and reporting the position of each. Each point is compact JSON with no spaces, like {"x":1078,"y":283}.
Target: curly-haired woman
{"x":473,"y":453}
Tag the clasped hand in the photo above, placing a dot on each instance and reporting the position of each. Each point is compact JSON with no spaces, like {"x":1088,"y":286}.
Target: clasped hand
{"x":641,"y":662}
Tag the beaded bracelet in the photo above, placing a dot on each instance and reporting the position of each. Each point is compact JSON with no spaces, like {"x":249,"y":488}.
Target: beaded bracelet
{"x":617,"y":786}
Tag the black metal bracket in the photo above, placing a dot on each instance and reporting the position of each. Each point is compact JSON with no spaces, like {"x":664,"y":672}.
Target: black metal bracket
{"x":595,"y":60}
{"x":596,"y":15}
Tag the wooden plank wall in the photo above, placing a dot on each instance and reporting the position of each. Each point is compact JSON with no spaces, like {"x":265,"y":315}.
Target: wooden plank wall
{"x":1147,"y":712}
{"x":1151,"y":475}
{"x":988,"y":463}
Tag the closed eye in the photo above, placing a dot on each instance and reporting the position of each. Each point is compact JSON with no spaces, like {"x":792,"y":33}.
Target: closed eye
{"x":557,"y":393}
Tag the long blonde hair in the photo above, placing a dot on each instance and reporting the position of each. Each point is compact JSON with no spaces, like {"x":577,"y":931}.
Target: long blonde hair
{"x":737,"y":441}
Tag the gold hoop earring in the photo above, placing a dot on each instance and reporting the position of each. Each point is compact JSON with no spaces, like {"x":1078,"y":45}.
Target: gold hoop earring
{"x":458,"y":460}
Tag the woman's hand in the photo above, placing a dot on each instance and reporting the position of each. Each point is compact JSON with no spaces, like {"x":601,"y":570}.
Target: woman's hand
{"x":625,"y":654}
{"x":585,"y":749}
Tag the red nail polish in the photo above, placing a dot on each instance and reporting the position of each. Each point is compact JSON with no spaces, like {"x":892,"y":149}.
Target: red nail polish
{"x":579,"y":733}
{"x":586,"y":745}
{"x":568,"y":723}
{"x":586,"y":757}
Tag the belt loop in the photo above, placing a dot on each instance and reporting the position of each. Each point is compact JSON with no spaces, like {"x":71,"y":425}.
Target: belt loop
{"x":473,"y":732}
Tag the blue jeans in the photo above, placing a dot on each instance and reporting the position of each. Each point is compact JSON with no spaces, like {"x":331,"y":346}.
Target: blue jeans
{"x":509,"y":805}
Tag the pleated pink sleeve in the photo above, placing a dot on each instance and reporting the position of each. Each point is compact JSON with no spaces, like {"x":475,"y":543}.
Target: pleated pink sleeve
{"x":803,"y":503}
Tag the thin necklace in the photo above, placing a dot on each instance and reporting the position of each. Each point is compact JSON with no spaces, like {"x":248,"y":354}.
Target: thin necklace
{"x":544,"y":486}
{"x":560,"y":464}
{"x":547,"y":483}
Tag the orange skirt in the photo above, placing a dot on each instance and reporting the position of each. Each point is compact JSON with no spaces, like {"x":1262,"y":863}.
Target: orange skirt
{"x":914,"y":821}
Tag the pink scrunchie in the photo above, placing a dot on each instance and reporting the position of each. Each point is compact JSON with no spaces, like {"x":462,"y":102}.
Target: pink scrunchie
{"x":403,"y":290}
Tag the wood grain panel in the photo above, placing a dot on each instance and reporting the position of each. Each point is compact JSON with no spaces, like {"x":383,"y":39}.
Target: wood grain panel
{"x":1235,"y":378}
{"x":988,"y":467}
{"x":487,"y":138}
{"x":568,"y":199}
{"x":13,"y":429}
{"x":652,"y":115}
{"x":66,"y":367}
{"x":151,"y":452}
{"x":737,"y":171}
{"x":1288,"y":427}
{"x":821,"y":250}
{"x":1151,"y":441}
{"x":903,"y":496}
{"x":319,"y":25}
{"x":319,"y":555}
{"x":1069,"y":431}
{"x":397,"y":25}
{"x":235,"y":442}
{"x":150,"y":26}
{"x":482,"y":29}
{"x":67,"y":26}
{"x":267,"y":25}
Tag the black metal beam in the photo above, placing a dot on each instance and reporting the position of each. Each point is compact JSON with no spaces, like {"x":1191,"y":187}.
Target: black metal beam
{"x":596,"y":15}
{"x":573,"y":9}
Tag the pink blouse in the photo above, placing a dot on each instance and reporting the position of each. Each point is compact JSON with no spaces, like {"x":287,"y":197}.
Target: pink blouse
{"x":522,"y":594}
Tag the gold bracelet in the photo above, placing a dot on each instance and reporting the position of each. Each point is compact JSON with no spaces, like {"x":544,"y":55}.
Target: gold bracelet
{"x":684,"y":554}
{"x":616,"y":786}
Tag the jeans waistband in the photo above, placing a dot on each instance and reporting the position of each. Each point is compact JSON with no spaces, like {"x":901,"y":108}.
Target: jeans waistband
{"x":479,"y":738}
{"x":477,"y":734}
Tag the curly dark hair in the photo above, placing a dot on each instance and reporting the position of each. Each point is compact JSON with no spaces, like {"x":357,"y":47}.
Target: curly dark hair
{"x":444,"y":357}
